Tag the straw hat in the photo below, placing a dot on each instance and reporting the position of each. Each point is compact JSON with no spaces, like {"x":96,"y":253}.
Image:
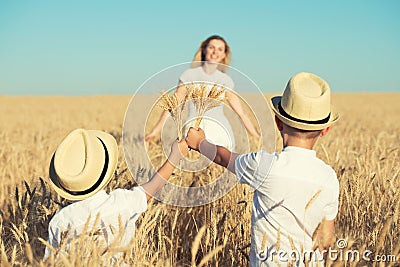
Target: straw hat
{"x":305,"y":103}
{"x":83,"y":164}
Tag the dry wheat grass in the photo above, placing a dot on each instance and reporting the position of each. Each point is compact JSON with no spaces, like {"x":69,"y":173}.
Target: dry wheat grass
{"x":363,"y":148}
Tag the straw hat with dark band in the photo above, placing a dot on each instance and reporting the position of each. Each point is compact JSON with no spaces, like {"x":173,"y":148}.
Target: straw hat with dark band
{"x":83,"y":164}
{"x":305,"y":103}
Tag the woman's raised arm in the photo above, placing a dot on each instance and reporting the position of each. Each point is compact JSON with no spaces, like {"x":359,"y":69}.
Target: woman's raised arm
{"x":235,"y":104}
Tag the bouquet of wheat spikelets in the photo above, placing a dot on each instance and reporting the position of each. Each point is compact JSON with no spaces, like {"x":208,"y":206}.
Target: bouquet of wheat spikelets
{"x":204,"y":101}
{"x":176,"y":108}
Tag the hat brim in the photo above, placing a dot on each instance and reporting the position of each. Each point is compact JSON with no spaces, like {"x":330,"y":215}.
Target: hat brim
{"x":112,"y":150}
{"x":302,"y":125}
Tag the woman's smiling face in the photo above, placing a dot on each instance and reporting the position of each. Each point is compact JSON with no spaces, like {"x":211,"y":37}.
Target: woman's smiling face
{"x":215,"y":51}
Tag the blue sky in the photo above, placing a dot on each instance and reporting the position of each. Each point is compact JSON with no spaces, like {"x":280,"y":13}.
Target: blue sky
{"x":112,"y":47}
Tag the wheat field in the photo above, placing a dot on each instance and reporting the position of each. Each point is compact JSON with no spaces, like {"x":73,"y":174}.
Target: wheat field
{"x":363,"y":148}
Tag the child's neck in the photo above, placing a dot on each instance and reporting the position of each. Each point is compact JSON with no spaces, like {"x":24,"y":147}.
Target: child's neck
{"x":289,"y":140}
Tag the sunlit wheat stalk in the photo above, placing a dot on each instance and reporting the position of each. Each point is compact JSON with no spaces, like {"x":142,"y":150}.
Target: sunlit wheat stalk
{"x":204,"y":101}
{"x":210,"y":255}
{"x":312,"y":199}
{"x":308,"y":205}
{"x":369,"y":189}
{"x":264,"y":244}
{"x":196,"y":244}
{"x":175,"y":107}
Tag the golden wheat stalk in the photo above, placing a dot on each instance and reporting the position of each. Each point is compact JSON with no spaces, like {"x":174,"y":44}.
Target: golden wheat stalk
{"x":210,"y":255}
{"x":204,"y":101}
{"x":312,"y":199}
{"x":263,"y":244}
{"x":175,"y":107}
{"x":278,"y":240}
{"x":197,"y":243}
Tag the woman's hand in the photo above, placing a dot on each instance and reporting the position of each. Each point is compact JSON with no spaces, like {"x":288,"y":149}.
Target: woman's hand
{"x":256,"y":135}
{"x":151,"y":136}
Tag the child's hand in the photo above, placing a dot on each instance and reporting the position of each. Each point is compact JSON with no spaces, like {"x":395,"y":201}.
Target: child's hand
{"x":179,"y":150}
{"x":194,"y":138}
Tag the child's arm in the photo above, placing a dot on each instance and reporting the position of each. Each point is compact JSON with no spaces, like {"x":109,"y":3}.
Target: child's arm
{"x":196,"y":140}
{"x":325,"y":234}
{"x":178,"y":151}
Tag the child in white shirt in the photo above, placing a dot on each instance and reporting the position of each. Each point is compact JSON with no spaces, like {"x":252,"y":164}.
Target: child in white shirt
{"x":294,"y":191}
{"x":81,"y":167}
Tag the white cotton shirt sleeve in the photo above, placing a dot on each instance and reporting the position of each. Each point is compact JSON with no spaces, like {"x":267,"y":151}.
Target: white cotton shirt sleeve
{"x":253,"y":168}
{"x":54,"y":236}
{"x":55,"y":229}
{"x":331,"y":209}
{"x":229,"y":83}
{"x":185,"y":77}
{"x":134,"y":200}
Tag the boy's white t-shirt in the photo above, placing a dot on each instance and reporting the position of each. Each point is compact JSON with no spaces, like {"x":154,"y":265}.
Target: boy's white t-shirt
{"x":284,"y":183}
{"x":129,"y":204}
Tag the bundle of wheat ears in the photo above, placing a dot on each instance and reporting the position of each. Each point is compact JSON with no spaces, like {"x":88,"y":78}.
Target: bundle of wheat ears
{"x":202,"y":101}
{"x":175,"y":107}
